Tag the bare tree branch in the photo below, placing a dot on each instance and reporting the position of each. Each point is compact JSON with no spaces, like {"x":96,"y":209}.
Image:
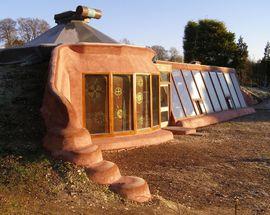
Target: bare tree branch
{"x":8,"y":32}
{"x":30,"y":28}
{"x":174,"y":55}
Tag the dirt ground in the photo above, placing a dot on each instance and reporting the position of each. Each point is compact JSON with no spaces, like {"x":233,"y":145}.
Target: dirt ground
{"x":202,"y":174}
{"x":222,"y":167}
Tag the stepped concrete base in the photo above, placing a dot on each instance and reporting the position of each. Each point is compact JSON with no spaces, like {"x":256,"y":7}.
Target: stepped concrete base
{"x":133,"y":141}
{"x":86,"y":157}
{"x":133,"y":188}
{"x":209,"y":119}
{"x":105,"y":172}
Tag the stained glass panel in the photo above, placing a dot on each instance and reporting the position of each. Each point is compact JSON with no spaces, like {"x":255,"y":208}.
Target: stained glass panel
{"x":96,"y":101}
{"x":143,"y":101}
{"x":122,"y":102}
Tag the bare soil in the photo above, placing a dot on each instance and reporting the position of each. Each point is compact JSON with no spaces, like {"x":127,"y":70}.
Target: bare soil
{"x":222,"y":167}
{"x":201,"y":174}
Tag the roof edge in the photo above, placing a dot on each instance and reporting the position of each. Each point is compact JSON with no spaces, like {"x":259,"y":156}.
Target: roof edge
{"x":187,"y":66}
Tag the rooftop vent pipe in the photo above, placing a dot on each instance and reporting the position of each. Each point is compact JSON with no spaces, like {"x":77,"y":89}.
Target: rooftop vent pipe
{"x":82,"y":13}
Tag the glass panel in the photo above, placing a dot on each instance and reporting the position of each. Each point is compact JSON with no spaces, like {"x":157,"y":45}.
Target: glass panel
{"x":143,"y":101}
{"x":211,"y":91}
{"x":203,"y":91}
{"x":183,"y":93}
{"x":232,"y":90}
{"x":165,"y":77}
{"x":164,"y":96}
{"x":191,"y":85}
{"x":96,"y":101}
{"x":122,"y":102}
{"x":155,"y":95}
{"x":176,"y":104}
{"x":238,"y":90}
{"x":164,"y":116}
{"x":218,"y":89}
{"x":223,"y":84}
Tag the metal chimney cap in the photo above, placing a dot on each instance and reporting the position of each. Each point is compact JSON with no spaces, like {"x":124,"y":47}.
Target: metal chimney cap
{"x":82,"y":13}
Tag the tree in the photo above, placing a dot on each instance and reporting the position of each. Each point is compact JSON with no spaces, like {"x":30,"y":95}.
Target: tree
{"x":241,"y":60}
{"x":8,"y":32}
{"x":266,"y":55}
{"x":209,"y":42}
{"x":17,"y":43}
{"x":174,"y":55}
{"x":30,"y":28}
{"x":125,"y":41}
{"x":266,"y":64}
{"x":161,"y":52}
{"x":190,"y":41}
{"x":261,"y":69}
{"x":242,"y":53}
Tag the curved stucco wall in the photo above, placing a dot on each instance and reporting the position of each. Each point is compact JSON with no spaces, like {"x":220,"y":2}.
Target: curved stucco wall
{"x":66,"y":137}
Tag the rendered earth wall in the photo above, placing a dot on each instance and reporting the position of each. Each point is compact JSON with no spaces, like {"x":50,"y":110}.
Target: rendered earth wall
{"x":26,"y":75}
{"x":21,"y":95}
{"x":25,"y":78}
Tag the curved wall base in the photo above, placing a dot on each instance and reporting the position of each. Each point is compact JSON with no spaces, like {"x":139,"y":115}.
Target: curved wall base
{"x":133,"y":141}
{"x":213,"y":118}
{"x":62,"y":109}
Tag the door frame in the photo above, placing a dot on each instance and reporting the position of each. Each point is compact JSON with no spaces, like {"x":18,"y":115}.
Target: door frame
{"x":166,"y":108}
{"x":165,"y":68}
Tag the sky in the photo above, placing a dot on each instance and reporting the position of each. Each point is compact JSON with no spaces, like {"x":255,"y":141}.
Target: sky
{"x":149,"y":22}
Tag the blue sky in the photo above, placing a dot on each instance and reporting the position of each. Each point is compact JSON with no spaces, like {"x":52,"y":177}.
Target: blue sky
{"x":149,"y":22}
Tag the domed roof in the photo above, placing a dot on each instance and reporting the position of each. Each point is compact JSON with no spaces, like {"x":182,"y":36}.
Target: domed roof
{"x":71,"y":33}
{"x":72,"y":28}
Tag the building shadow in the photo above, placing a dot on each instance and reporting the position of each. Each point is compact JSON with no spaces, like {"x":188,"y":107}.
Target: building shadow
{"x":259,"y":116}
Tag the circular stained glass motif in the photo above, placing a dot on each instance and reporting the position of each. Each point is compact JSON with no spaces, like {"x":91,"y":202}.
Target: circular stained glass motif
{"x":118,"y":91}
{"x":139,"y":98}
{"x":95,"y":90}
{"x":141,"y":121}
{"x":119,"y":114}
{"x":139,"y":81}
